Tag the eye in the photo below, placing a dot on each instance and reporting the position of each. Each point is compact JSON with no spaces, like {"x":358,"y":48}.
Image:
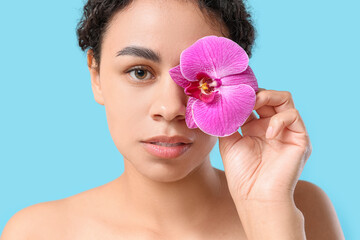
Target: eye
{"x":139,"y":73}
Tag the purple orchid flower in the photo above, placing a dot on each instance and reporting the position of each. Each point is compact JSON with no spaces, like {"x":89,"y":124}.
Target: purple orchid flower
{"x":222,"y":88}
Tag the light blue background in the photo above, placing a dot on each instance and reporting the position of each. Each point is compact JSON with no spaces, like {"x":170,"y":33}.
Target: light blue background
{"x":54,"y":138}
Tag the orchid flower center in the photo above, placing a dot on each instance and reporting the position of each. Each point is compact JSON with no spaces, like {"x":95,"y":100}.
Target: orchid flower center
{"x":203,"y":89}
{"x":207,"y":85}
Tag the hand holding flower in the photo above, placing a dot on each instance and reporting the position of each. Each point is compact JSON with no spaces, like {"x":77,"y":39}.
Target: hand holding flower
{"x":214,"y":73}
{"x":263,"y":165}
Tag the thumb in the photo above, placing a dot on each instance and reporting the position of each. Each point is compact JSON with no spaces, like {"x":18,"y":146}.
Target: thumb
{"x":226,"y":143}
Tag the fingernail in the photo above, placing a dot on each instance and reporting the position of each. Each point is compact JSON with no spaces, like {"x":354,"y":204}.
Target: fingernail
{"x":269,"y":132}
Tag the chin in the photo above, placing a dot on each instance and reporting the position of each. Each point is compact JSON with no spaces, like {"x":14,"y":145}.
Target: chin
{"x":160,"y":171}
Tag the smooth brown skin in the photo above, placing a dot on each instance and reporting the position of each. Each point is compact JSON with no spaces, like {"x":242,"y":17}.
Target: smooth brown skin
{"x":183,"y":198}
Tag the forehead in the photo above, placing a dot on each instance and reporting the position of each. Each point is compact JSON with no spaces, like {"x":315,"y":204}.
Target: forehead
{"x":167,"y":27}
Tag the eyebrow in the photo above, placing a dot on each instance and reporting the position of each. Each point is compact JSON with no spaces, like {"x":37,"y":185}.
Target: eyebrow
{"x":140,"y":52}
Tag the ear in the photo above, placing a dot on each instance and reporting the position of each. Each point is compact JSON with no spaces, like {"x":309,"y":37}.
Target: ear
{"x":95,"y":77}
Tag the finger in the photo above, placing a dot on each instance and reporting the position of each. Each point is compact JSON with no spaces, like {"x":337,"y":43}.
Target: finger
{"x":266,"y":111}
{"x":290,"y":119}
{"x":250,"y":118}
{"x":279,"y":100}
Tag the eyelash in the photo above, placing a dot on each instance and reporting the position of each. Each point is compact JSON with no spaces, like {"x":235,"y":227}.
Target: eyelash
{"x":142,"y":69}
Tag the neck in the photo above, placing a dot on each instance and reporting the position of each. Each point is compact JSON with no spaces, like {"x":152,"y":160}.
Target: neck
{"x":184,"y":203}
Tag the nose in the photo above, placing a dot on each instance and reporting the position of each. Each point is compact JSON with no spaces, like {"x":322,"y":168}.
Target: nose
{"x":169,"y":102}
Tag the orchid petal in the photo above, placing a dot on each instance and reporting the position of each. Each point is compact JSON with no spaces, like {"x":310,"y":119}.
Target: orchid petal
{"x":246,"y":77}
{"x":193,"y":90}
{"x":207,"y":97}
{"x":227,"y":112}
{"x":175,"y":74}
{"x":188,"y":115}
{"x":216,"y":56}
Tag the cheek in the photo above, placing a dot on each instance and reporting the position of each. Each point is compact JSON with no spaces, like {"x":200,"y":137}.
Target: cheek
{"x":126,"y":110}
{"x":205,"y":141}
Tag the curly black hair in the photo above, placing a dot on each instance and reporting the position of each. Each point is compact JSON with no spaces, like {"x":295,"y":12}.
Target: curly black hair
{"x":97,"y":15}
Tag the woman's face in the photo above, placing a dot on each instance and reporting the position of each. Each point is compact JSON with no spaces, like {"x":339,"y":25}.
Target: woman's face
{"x":143,"y":104}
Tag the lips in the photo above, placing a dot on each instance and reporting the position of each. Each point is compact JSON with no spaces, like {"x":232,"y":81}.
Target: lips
{"x":167,"y":144}
{"x":164,"y":140}
{"x":166,"y":152}
{"x":167,"y":147}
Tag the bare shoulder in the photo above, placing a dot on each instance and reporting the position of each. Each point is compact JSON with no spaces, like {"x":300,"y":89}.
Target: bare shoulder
{"x":60,"y":219}
{"x":30,"y":222}
{"x":321,"y":221}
